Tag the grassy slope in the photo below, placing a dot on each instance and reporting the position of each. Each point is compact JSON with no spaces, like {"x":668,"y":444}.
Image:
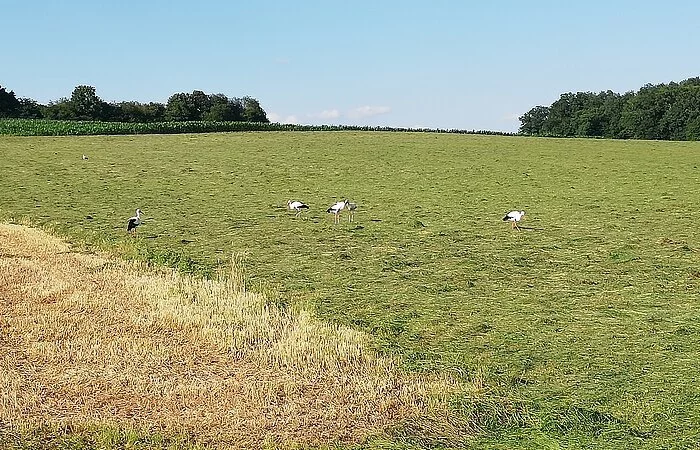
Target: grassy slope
{"x":588,"y":317}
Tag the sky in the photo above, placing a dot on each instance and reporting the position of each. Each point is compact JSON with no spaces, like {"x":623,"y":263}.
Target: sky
{"x":472,"y":65}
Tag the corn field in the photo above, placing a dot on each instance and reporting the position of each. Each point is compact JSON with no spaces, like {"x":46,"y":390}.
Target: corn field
{"x":45,"y":127}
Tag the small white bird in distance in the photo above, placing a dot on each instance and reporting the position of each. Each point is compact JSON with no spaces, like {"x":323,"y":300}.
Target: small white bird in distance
{"x":134,"y":222}
{"x":514,"y":217}
{"x":85,"y":157}
{"x":336,"y":209}
{"x":295,"y":205}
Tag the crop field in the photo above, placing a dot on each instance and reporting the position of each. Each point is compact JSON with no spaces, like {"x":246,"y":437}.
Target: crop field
{"x":582,"y":330}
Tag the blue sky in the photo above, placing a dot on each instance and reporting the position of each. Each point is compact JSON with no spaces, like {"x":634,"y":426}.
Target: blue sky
{"x":438,"y":63}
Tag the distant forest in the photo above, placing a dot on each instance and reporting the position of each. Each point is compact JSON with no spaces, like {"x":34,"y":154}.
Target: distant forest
{"x":84,"y":104}
{"x":664,"y":111}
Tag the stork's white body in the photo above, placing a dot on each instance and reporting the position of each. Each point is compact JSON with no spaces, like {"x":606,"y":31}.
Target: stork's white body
{"x":295,"y":205}
{"x":336,"y":209}
{"x":514,"y":217}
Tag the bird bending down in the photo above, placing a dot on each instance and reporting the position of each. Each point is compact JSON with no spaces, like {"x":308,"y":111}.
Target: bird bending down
{"x":85,"y":157}
{"x":514,"y":217}
{"x":134,"y":222}
{"x":295,"y":205}
{"x":351,"y":207}
{"x":335,"y":209}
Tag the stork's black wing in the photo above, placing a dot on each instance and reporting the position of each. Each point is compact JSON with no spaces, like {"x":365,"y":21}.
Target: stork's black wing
{"x":133,"y":223}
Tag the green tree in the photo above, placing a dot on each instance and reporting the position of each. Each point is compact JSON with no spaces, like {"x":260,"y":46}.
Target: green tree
{"x":224,"y":109}
{"x":642,"y":114}
{"x":29,"y":109}
{"x":131,"y":112}
{"x":60,"y":109}
{"x":183,"y":106}
{"x":179,"y":108}
{"x":253,"y":112}
{"x":532,"y":122}
{"x":139,"y":112}
{"x":560,"y":119}
{"x":612,"y":105}
{"x":684,"y":110}
{"x":9,"y":105}
{"x":588,"y":118}
{"x":692,"y":130}
{"x":155,"y":112}
{"x":86,"y":105}
{"x":200,"y":104}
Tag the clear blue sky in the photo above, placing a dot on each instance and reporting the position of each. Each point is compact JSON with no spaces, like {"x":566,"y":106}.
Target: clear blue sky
{"x":438,"y":63}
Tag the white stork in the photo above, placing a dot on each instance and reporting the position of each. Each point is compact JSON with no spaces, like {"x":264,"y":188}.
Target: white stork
{"x":295,"y":205}
{"x":514,"y":217}
{"x":134,"y":222}
{"x":335,"y":209}
{"x":85,"y":157}
{"x":351,"y":207}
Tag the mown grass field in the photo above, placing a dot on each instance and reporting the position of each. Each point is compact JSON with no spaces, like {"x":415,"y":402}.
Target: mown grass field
{"x":582,"y":328}
{"x":103,"y":353}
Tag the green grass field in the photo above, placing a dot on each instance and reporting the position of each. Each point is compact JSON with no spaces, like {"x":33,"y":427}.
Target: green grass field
{"x":584,"y":327}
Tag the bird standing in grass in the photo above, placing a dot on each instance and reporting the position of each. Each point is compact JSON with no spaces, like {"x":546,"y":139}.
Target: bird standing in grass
{"x":336,"y":209}
{"x":134,"y":222}
{"x":295,"y":205}
{"x":85,"y":157}
{"x":514,"y":217}
{"x":351,"y":207}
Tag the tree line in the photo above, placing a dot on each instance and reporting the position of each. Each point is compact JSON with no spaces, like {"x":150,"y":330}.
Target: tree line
{"x":85,"y":105}
{"x":664,"y":112}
